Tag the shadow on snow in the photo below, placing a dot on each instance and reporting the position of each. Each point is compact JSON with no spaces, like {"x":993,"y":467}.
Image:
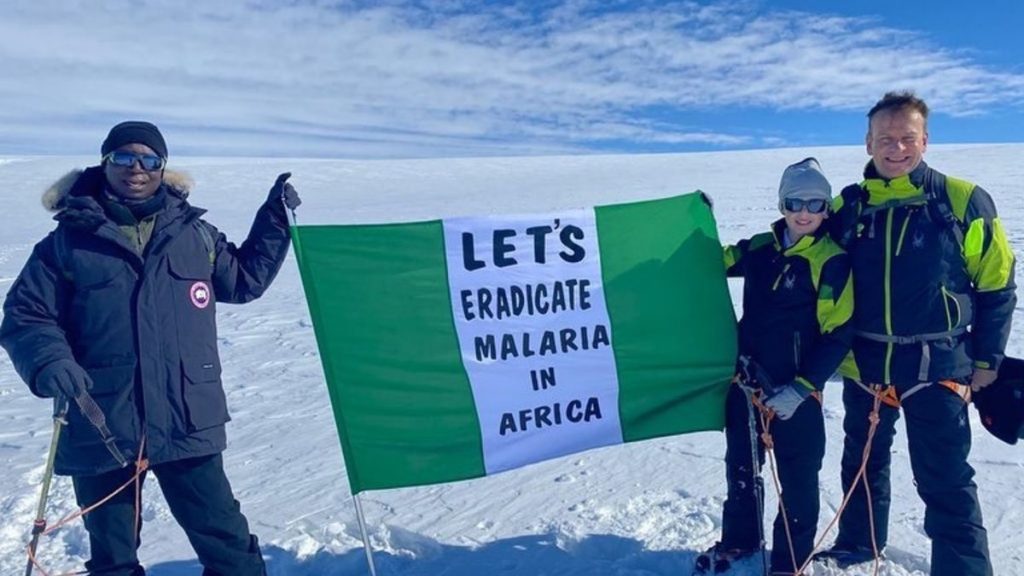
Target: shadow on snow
{"x":537,"y":555}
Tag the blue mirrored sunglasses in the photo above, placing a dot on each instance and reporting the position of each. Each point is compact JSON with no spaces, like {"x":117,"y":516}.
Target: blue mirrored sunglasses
{"x":149,"y":162}
{"x":815,"y":206}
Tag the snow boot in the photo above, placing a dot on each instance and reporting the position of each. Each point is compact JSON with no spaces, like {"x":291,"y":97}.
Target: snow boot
{"x":846,"y":556}
{"x":719,"y":559}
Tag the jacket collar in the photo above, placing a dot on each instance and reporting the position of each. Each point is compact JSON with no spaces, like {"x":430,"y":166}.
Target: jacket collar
{"x":90,"y":182}
{"x":76,"y":200}
{"x":75,"y":197}
{"x":779,"y":230}
{"x":881,"y":190}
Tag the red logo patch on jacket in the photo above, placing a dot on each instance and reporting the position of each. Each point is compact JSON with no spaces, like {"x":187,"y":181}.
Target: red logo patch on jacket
{"x":200,"y":294}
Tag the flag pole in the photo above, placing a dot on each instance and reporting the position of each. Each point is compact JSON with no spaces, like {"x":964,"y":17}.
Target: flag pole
{"x":293,"y":221}
{"x":290,"y":213}
{"x":366,"y":537}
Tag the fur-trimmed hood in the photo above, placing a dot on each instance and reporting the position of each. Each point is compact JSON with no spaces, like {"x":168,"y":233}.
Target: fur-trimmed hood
{"x":55,"y":197}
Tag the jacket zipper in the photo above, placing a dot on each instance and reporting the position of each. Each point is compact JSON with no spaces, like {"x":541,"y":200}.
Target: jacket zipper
{"x":796,"y":351}
{"x":887,"y":286}
{"x":903,"y":231}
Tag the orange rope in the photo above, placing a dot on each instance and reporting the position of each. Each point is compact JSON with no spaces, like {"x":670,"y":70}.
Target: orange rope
{"x":874,"y":419}
{"x":767,"y":415}
{"x":141,"y":465}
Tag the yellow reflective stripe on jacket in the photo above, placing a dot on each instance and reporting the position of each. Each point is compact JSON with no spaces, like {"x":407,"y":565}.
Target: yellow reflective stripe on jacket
{"x":834,"y":312}
{"x":986,"y":249}
{"x":974,"y":243}
{"x":803,"y":382}
{"x":900,"y":188}
{"x":835,"y":303}
{"x":959,"y":192}
{"x":848,"y":368}
{"x":990,"y":268}
{"x":731,"y":255}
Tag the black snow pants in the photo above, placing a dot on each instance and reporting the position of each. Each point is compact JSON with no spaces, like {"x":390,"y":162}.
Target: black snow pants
{"x":799,"y":445}
{"x":200,"y":498}
{"x":939,"y":440}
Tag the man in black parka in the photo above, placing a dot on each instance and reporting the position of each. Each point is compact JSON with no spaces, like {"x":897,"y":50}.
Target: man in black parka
{"x":118,"y":304}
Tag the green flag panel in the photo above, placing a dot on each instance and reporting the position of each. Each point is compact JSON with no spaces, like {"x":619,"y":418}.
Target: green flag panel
{"x":378,"y":296}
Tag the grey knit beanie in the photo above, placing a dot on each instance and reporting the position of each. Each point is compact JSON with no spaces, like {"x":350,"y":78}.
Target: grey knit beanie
{"x":804,"y":180}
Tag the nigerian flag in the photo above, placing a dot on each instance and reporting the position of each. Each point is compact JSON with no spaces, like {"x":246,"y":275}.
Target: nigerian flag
{"x":464,"y":347}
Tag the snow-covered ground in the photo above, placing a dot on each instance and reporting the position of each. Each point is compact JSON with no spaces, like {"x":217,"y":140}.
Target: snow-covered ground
{"x":641,"y":509}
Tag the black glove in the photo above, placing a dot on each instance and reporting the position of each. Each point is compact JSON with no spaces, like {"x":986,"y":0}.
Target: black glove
{"x":751,"y":375}
{"x":62,"y":377}
{"x":707,"y":200}
{"x":282,"y":191}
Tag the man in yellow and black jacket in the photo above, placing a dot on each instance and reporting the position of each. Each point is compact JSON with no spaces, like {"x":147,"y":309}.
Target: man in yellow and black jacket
{"x":795,"y":330}
{"x":934,"y":293}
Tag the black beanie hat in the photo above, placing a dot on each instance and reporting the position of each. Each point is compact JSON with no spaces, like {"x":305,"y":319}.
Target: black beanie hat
{"x":134,"y":132}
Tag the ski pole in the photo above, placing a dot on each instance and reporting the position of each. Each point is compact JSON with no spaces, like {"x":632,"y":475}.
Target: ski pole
{"x":39,"y":525}
{"x":755,"y":464}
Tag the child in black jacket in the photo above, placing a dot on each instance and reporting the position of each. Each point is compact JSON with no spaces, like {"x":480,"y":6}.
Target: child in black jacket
{"x":795,"y":331}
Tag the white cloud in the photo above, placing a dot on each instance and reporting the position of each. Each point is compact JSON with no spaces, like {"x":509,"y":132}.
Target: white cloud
{"x":411,"y":78}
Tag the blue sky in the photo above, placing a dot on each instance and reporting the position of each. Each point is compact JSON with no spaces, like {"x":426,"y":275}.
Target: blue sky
{"x":406,"y":78}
